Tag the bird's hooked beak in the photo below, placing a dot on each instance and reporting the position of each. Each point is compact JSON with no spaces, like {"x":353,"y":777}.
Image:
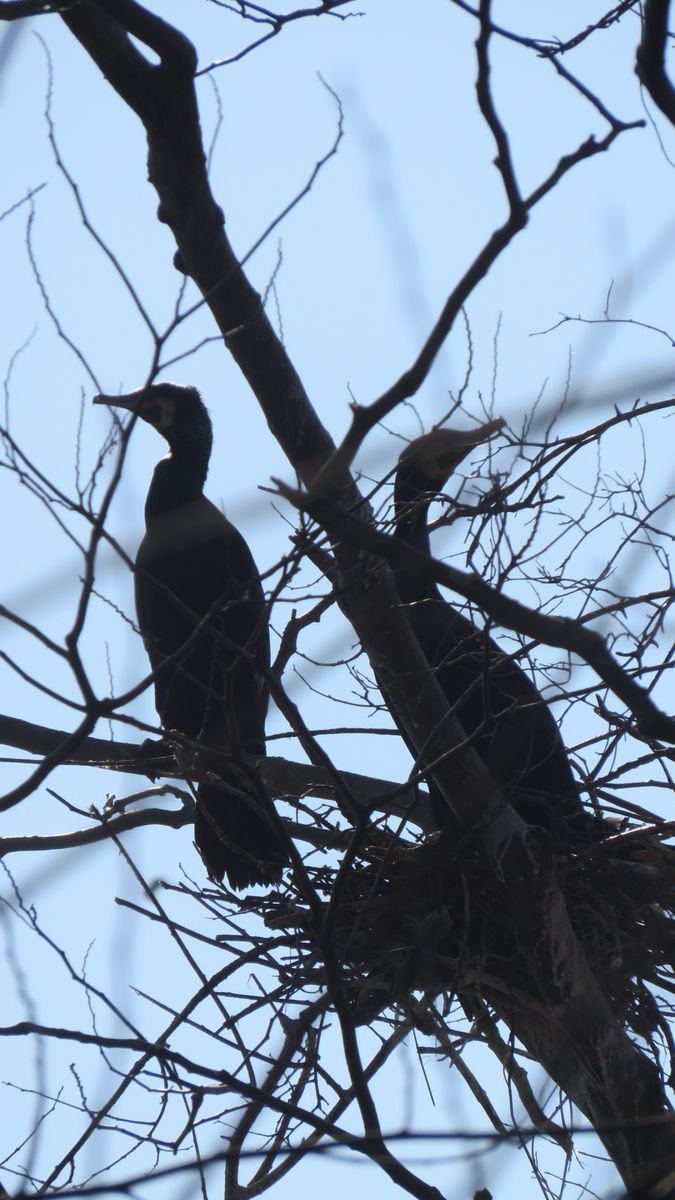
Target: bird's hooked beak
{"x":460,"y":442}
{"x":131,"y":401}
{"x":147,"y":403}
{"x":439,"y":452}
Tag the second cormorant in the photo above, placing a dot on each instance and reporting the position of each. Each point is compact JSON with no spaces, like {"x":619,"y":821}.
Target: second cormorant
{"x":202,"y":615}
{"x":494,"y":700}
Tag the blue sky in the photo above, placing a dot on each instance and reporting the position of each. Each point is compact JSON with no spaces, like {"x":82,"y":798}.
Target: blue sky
{"x":363,"y":266}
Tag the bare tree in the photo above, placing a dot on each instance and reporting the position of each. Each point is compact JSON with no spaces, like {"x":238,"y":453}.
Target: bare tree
{"x":385,"y":931}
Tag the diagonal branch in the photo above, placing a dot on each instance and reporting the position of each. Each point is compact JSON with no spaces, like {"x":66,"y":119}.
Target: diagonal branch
{"x":650,"y":65}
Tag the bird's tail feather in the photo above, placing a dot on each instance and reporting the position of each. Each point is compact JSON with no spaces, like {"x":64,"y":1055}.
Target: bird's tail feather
{"x":235,"y":837}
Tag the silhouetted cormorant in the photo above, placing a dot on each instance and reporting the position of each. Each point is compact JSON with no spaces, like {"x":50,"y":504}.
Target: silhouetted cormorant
{"x":194,"y":566}
{"x":494,"y":700}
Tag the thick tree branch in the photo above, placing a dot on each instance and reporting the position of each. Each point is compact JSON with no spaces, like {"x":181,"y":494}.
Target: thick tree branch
{"x":650,"y":63}
{"x":279,"y":776}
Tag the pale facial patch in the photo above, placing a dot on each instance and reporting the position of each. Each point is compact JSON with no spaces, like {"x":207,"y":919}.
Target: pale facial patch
{"x":160,"y":411}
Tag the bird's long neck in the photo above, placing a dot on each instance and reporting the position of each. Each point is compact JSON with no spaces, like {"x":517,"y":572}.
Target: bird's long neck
{"x":411,"y":513}
{"x":179,"y":478}
{"x":411,"y":507}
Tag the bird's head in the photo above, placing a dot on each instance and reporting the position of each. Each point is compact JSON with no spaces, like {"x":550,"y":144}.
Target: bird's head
{"x":175,"y":411}
{"x":424,"y":468}
{"x":432,"y":458}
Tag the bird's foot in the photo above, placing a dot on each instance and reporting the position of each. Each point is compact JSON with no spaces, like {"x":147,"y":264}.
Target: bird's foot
{"x":155,"y":752}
